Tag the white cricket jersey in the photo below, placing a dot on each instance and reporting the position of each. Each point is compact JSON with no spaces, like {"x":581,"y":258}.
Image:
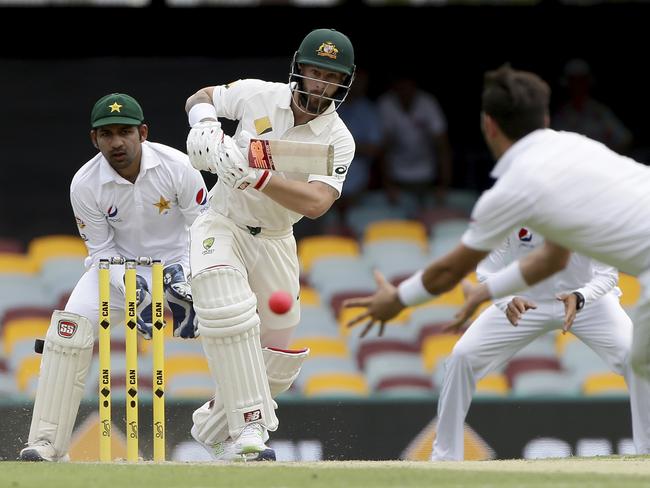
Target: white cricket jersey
{"x":264,"y":110}
{"x":575,"y":192}
{"x":583,"y":274}
{"x":150,"y":217}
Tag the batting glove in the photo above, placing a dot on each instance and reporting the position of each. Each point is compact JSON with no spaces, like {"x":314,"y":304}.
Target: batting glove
{"x":179,"y":297}
{"x":234,"y":171}
{"x":203,"y":143}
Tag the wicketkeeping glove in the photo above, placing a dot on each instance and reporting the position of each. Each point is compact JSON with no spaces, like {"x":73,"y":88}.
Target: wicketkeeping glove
{"x":143,"y":301}
{"x":179,"y":297}
{"x":203,"y":143}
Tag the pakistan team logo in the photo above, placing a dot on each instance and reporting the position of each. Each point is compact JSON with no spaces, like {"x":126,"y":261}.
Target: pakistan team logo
{"x":207,"y":245}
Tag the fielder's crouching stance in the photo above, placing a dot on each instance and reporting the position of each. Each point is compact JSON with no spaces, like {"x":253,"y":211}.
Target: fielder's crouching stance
{"x":130,"y":188}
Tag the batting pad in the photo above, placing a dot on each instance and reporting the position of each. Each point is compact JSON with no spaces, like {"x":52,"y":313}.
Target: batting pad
{"x":282,"y":369}
{"x":230,"y":333}
{"x":66,"y":359}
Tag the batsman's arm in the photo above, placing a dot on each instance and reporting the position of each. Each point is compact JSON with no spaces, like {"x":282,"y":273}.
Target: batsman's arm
{"x":309,"y":199}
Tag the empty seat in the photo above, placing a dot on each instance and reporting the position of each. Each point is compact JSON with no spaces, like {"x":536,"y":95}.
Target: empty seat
{"x":604,"y":384}
{"x":11,"y":245}
{"x":631,"y":289}
{"x":309,"y":296}
{"x":544,"y":383}
{"x":60,"y":275}
{"x":437,"y":347}
{"x":492,"y":385}
{"x":522,"y":365}
{"x":42,"y":248}
{"x":322,"y":346}
{"x":11,"y":263}
{"x":396,"y":230}
{"x":310,"y":249}
{"x":359,"y":217}
{"x":336,"y":384}
{"x":23,"y":329}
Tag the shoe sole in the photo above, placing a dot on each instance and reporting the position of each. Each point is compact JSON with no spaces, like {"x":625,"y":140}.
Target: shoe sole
{"x":31,"y":455}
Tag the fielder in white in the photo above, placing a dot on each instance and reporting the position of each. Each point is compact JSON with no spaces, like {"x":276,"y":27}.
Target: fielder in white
{"x":588,"y":292}
{"x":134,"y":198}
{"x":243,"y":248}
{"x":574,"y":191}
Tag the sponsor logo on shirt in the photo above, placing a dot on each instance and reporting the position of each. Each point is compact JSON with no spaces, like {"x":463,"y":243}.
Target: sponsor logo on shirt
{"x":202,"y":196}
{"x":525,"y":235}
{"x":207,"y":246}
{"x":80,"y":223}
{"x":111,"y":214}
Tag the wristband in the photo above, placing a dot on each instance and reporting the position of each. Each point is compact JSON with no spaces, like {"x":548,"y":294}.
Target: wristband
{"x":201,"y":111}
{"x":506,"y":282}
{"x":263,"y":180}
{"x":411,"y":291}
{"x":581,"y":300}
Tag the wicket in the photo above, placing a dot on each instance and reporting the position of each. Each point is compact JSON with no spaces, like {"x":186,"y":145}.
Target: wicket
{"x":157,"y":308}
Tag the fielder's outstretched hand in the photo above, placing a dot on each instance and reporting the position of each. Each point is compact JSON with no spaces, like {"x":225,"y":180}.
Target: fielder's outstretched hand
{"x":516,"y":308}
{"x":475,"y":295}
{"x":380,"y":307}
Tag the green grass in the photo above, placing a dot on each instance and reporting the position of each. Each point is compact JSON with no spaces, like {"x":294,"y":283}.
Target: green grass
{"x":594,"y":472}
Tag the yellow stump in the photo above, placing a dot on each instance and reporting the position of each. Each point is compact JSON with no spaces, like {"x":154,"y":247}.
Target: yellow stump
{"x":131,"y":362}
{"x":157,"y":309}
{"x":104,"y":361}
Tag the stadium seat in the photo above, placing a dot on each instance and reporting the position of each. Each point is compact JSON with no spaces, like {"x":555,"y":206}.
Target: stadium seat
{"x":435,"y":348}
{"x":309,"y":296}
{"x":41,"y":249}
{"x":310,"y":249}
{"x":60,"y":275}
{"x":396,"y":230}
{"x":604,"y":384}
{"x":492,"y":385}
{"x":20,"y":329}
{"x":316,"y":321}
{"x":27,"y":371}
{"x":432,"y":216}
{"x":17,"y":264}
{"x":518,"y":366}
{"x":11,"y":245}
{"x":580,"y":361}
{"x":547,"y":382}
{"x":322,"y":346}
{"x":359,"y":217}
{"x":561,"y":341}
{"x":631,"y":289}
{"x":336,"y":384}
{"x":450,"y":228}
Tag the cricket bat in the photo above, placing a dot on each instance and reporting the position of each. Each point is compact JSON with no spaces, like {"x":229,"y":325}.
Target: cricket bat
{"x":291,"y":156}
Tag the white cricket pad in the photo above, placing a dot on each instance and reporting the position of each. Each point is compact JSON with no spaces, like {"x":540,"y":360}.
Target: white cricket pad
{"x":66,"y":359}
{"x":282,"y":369}
{"x":230,"y":332}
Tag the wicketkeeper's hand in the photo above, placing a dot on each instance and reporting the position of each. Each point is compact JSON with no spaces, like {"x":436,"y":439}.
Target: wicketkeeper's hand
{"x":143,"y":301}
{"x":203,"y":143}
{"x":179,"y":297}
{"x":234,"y":171}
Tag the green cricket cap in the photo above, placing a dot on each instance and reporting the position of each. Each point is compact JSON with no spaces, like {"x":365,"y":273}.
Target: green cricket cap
{"x":116,"y":108}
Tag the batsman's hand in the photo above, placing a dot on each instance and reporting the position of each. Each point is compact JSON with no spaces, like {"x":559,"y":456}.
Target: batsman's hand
{"x":380,"y":307}
{"x":203,"y":143}
{"x":516,"y":308}
{"x":570,"y":310}
{"x":233,"y":169}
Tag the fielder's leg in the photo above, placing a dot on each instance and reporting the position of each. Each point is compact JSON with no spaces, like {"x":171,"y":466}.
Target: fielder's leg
{"x":210,"y":423}
{"x":230,"y":332}
{"x":606,"y":328}
{"x":64,"y":367}
{"x":640,"y":359}
{"x":489,"y":342}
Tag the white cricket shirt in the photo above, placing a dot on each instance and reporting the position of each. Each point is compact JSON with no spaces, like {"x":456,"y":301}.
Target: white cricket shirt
{"x":150,"y":217}
{"x":572,"y":190}
{"x":583,"y":274}
{"x":264,"y":110}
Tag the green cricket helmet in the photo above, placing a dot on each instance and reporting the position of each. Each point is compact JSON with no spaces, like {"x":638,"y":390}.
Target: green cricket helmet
{"x":327,"y":49}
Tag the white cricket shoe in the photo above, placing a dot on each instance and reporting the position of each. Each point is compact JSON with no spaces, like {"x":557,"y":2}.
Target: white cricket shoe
{"x":247,"y":448}
{"x":42,"y":451}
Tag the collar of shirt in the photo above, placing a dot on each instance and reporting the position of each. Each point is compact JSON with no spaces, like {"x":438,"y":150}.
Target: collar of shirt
{"x":107,"y":173}
{"x":505,"y":161}
{"x":318,"y":124}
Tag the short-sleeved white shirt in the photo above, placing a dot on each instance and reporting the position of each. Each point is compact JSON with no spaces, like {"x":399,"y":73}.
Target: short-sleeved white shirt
{"x":575,"y":192}
{"x":150,"y":217}
{"x":263,"y":109}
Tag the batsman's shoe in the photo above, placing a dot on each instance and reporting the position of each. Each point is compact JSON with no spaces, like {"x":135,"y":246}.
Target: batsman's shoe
{"x":229,"y":451}
{"x":42,"y":451}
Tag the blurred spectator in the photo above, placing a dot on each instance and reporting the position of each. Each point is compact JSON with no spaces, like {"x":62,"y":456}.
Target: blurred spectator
{"x":584,"y":115}
{"x":362,"y":119}
{"x":417,"y":150}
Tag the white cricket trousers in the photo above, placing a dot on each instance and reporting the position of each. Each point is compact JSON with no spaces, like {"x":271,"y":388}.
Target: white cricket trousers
{"x":491,"y":341}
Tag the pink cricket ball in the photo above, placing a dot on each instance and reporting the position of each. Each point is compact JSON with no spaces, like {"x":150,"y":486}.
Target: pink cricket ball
{"x":280,"y":302}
